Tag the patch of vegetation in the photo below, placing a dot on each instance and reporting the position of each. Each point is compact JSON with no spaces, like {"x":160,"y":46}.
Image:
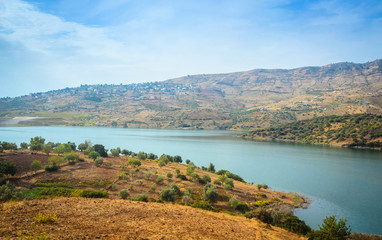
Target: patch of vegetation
{"x":262,"y":203}
{"x":203,"y":205}
{"x":331,"y":229}
{"x":142,"y":197}
{"x":124,"y":193}
{"x":45,"y":218}
{"x":52,"y":184}
{"x":210,"y":193}
{"x":358,"y":130}
{"x":93,"y":194}
{"x":230,"y":175}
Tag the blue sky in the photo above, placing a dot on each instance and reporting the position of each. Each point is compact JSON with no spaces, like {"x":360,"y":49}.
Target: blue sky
{"x":47,"y":45}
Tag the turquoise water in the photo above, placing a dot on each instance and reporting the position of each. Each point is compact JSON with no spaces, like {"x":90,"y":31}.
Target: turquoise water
{"x":342,"y":182}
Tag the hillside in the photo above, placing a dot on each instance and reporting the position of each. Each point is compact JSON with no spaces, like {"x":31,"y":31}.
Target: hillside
{"x":62,"y":193}
{"x":243,"y":100}
{"x":360,"y":130}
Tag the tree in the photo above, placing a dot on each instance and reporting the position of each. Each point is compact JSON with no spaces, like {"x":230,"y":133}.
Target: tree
{"x":36,"y":165}
{"x":93,"y":155}
{"x":209,"y":193}
{"x":114,"y":124}
{"x":190,"y":169}
{"x":8,"y":168}
{"x":63,"y":148}
{"x":124,"y":193}
{"x":178,"y":159}
{"x":114,"y":152}
{"x":71,"y":157}
{"x":36,"y":143}
{"x":211,"y":168}
{"x":152,"y":156}
{"x":47,"y":148}
{"x":164,"y":158}
{"x":331,"y":229}
{"x":24,"y":145}
{"x":142,"y":156}
{"x":98,"y":161}
{"x":135,"y":162}
{"x":83,"y":146}
{"x":100,"y":149}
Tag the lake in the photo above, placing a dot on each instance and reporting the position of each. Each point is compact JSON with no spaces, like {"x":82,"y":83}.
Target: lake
{"x":342,"y":182}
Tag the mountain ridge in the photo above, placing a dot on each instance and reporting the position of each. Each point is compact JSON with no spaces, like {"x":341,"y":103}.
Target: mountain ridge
{"x":240,"y":100}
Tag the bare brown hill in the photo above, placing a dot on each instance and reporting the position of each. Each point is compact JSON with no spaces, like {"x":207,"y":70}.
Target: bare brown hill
{"x":243,"y":100}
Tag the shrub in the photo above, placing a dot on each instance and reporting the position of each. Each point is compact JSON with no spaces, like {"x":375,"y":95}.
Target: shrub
{"x":153,"y":187}
{"x":161,"y":163}
{"x":188,"y":161}
{"x":187,"y":198}
{"x":194,"y":176}
{"x":262,"y":203}
{"x":159,"y":180}
{"x":51,"y":168}
{"x":142,"y":197}
{"x":142,"y":156}
{"x":203,"y":205}
{"x":8,"y":191}
{"x":36,"y":165}
{"x":242,"y":207}
{"x":182,"y":177}
{"x":177,"y":171}
{"x":140,"y":182}
{"x":134,"y":162}
{"x":148,"y":175}
{"x":115,"y":152}
{"x":190,"y":169}
{"x":94,"y":155}
{"x":124,"y":193}
{"x":93,"y":194}
{"x":41,"y":218}
{"x":217,"y":182}
{"x":227,"y":187}
{"x":228,"y":182}
{"x":291,"y":223}
{"x":261,"y":214}
{"x":211,"y":168}
{"x":233,"y":202}
{"x":98,"y":161}
{"x":131,"y":186}
{"x":331,"y":229}
{"x":206,"y":178}
{"x":209,"y":193}
{"x":123,"y":166}
{"x":7,"y":168}
{"x":260,"y":186}
{"x":100,"y":149}
{"x":261,"y":195}
{"x":24,"y":145}
{"x":168,"y":194}
{"x":169,"y":175}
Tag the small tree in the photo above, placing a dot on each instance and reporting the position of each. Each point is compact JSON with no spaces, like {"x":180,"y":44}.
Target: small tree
{"x":160,"y":179}
{"x":209,"y":193}
{"x":169,"y":175}
{"x":93,"y":155}
{"x":206,"y":178}
{"x":178,"y":159}
{"x":100,"y":149}
{"x":190,"y":168}
{"x":233,"y":202}
{"x":114,"y":152}
{"x":211,"y":168}
{"x":98,"y":161}
{"x":124,"y":193}
{"x":36,"y":165}
{"x":135,"y":162}
{"x":142,"y":156}
{"x":331,"y":229}
{"x":36,"y":143}
{"x":24,"y":145}
{"x":170,"y":193}
{"x":8,"y":168}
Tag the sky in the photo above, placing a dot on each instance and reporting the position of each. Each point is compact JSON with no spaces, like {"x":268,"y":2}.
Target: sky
{"x":53,"y":44}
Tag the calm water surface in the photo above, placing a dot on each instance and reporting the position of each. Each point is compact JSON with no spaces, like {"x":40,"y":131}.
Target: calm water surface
{"x":342,"y":182}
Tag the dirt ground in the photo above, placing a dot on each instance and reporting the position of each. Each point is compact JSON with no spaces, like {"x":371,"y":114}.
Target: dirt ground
{"x":80,"y":218}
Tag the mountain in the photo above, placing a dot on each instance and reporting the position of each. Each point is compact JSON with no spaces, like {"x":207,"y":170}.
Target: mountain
{"x":242,"y":100}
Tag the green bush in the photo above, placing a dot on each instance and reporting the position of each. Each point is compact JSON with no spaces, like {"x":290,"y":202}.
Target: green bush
{"x":206,"y":178}
{"x":94,"y":194}
{"x":153,"y":187}
{"x":98,"y":161}
{"x":233,"y":202}
{"x":242,"y":207}
{"x":203,"y":205}
{"x":142,"y":197}
{"x":48,"y":218}
{"x":169,"y":175}
{"x":331,"y":229}
{"x":134,"y":162}
{"x":262,"y":203}
{"x":36,"y":165}
{"x":217,"y":182}
{"x":7,"y":168}
{"x":291,"y":223}
{"x":182,"y":177}
{"x":167,"y":194}
{"x":210,"y":193}
{"x":148,"y":175}
{"x":261,"y":214}
{"x":159,"y":180}
{"x":51,"y":168}
{"x":124,"y":193}
{"x":94,"y":155}
{"x":8,"y":191}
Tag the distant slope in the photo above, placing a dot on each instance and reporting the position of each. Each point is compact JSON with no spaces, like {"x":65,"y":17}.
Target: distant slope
{"x":361,"y":130}
{"x":243,"y":100}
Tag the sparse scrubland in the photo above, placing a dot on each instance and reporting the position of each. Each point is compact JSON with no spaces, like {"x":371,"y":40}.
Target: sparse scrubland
{"x":66,"y":193}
